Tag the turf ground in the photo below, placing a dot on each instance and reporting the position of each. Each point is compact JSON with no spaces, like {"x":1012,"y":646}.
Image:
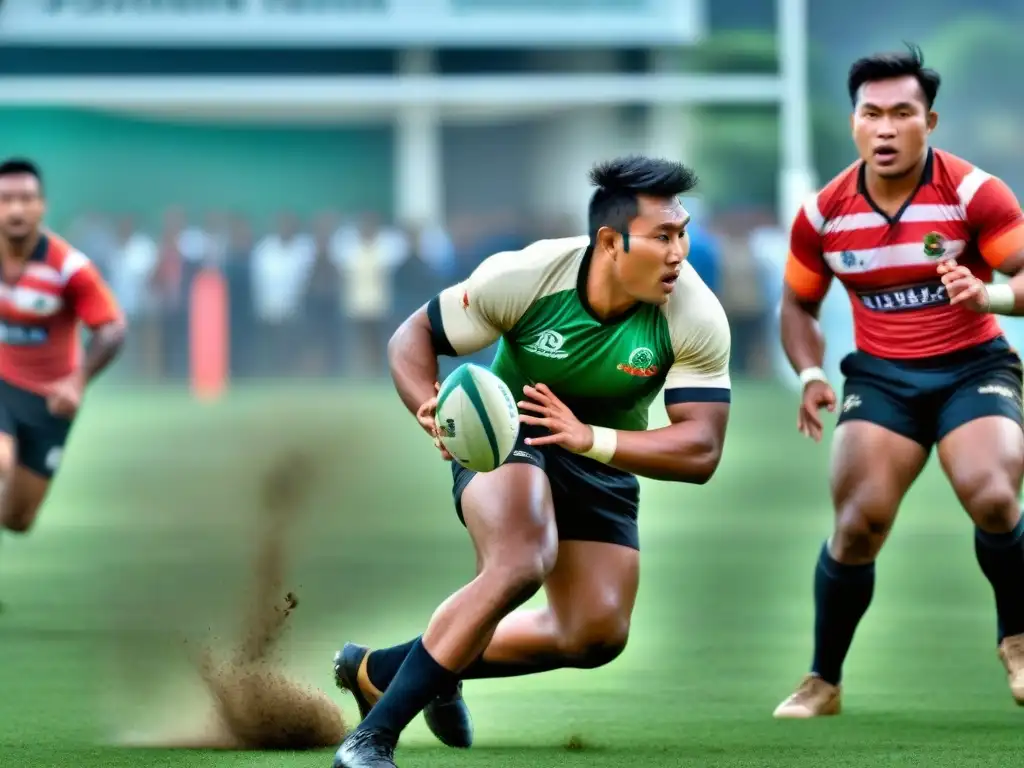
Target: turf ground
{"x":148,"y":535}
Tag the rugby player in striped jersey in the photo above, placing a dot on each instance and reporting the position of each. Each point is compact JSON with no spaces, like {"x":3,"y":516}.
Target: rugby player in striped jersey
{"x":913,"y":234}
{"x":48,"y":290}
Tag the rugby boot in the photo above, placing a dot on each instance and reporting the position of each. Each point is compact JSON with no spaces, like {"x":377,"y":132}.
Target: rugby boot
{"x":365,"y":749}
{"x":1011,"y":653}
{"x":813,"y":698}
{"x":447,"y":717}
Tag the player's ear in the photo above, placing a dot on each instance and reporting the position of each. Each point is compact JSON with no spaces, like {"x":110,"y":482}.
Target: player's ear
{"x":605,"y":239}
{"x":933,"y":120}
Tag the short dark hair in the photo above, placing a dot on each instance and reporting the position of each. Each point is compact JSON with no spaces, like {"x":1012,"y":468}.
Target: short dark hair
{"x":619,"y":182}
{"x":18,"y":166}
{"x":887,"y":66}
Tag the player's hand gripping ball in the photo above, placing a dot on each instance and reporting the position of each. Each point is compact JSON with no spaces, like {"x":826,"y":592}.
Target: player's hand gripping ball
{"x":963,"y":287}
{"x":552,"y":414}
{"x":817,"y":395}
{"x":426,"y":416}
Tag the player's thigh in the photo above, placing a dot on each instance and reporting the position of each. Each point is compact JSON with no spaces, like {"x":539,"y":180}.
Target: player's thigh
{"x":872,"y":470}
{"x":509,"y":515}
{"x":592,"y":592}
{"x":41,"y":437}
{"x":981,"y":446}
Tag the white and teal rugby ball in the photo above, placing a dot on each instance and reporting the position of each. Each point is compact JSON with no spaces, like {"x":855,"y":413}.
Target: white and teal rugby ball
{"x":477,"y":418}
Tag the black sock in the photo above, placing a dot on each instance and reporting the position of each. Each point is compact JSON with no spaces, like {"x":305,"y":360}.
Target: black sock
{"x":419,"y":680}
{"x":1001,"y":557}
{"x":842,"y":594}
{"x":382,"y":665}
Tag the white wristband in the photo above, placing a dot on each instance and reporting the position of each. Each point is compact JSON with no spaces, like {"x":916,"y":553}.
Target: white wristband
{"x":807,"y":375}
{"x":1001,"y":300}
{"x":603,"y":449}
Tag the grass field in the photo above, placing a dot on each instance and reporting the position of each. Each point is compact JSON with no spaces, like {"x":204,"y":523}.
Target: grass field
{"x":148,"y":535}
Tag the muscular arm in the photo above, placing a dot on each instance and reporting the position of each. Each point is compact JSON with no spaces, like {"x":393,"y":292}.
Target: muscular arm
{"x":413,"y":360}
{"x":802,"y":338}
{"x":94,"y":304}
{"x":460,"y":320}
{"x":686,"y":451}
{"x":805,"y":285}
{"x":995,"y":215}
{"x":105,"y":345}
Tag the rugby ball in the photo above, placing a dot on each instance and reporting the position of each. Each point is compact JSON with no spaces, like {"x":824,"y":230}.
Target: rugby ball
{"x":477,"y":418}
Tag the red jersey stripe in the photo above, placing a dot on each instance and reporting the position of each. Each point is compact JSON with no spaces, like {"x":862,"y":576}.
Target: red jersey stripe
{"x":888,"y":264}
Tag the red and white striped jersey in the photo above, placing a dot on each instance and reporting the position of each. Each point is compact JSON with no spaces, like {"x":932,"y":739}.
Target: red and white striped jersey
{"x":40,"y":313}
{"x":888,"y":265}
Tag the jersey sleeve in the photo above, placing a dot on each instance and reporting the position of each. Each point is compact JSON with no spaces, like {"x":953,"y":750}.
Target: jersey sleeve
{"x":807,"y":274}
{"x":473,"y":314}
{"x":87,"y":293}
{"x":702,"y":343}
{"x":994,"y":214}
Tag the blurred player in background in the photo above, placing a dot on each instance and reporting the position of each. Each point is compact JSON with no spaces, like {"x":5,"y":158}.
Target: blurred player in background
{"x":913,"y":234}
{"x":47,"y":289}
{"x":591,"y":329}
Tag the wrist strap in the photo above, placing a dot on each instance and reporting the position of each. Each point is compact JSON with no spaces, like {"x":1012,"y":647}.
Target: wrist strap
{"x":807,"y":375}
{"x":1001,"y":300}
{"x":605,"y":442}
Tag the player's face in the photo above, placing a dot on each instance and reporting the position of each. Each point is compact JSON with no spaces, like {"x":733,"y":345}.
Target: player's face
{"x":658,"y":246}
{"x":891,"y":125}
{"x":21,"y":206}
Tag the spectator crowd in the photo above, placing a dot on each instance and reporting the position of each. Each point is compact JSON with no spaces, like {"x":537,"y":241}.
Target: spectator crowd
{"x":320,"y":295}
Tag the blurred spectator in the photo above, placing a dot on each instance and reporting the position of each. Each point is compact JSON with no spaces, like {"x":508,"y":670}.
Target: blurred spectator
{"x":236,"y":268}
{"x":368,"y":258}
{"x":94,"y":235}
{"x":323,"y":299}
{"x":742,"y":294}
{"x":169,"y":293}
{"x":434,"y":246}
{"x":281,"y":266}
{"x":217,"y":231}
{"x":705,"y":250}
{"x":430,"y":263}
{"x":131,"y":276}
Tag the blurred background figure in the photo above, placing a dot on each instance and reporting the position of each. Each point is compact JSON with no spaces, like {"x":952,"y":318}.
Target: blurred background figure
{"x":282,"y":264}
{"x":368,"y":256}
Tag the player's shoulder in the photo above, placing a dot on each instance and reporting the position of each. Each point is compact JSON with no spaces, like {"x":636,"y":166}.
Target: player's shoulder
{"x":959,"y":178}
{"x":693,"y":308}
{"x":541,"y":263}
{"x":833,"y":199}
{"x":62,"y":256}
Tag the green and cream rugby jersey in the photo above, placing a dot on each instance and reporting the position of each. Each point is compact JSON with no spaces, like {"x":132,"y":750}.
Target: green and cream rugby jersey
{"x":533,"y":302}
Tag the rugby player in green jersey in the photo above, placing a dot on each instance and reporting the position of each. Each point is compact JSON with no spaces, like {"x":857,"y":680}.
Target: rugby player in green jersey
{"x":589,"y":330}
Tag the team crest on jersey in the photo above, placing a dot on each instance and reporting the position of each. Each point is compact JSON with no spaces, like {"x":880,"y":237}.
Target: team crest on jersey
{"x":934,"y":245}
{"x":548,"y":344}
{"x":640,"y":363}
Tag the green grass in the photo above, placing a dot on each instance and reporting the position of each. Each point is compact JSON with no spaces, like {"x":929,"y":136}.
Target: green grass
{"x":150,"y":528}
